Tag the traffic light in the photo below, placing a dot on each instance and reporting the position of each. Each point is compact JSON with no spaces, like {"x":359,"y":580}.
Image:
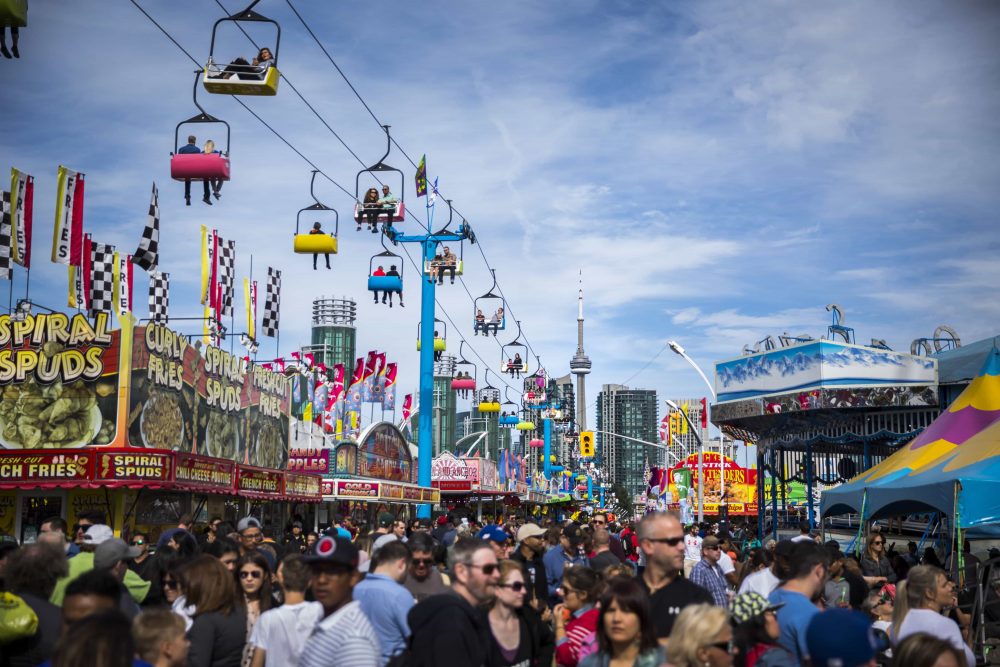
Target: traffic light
{"x":586,"y":444}
{"x":676,"y":423}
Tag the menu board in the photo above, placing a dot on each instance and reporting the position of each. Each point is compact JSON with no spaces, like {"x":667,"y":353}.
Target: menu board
{"x":59,"y":379}
{"x":162,"y":400}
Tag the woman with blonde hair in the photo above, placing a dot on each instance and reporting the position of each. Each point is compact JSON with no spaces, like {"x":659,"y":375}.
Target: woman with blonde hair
{"x":924,"y":650}
{"x":701,"y":637}
{"x":216,"y":183}
{"x":920,"y":600}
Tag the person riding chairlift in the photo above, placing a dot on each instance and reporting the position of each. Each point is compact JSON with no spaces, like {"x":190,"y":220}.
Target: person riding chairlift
{"x":317,"y":228}
{"x":252,"y":71}
{"x":480,"y":323}
{"x":370,"y":210}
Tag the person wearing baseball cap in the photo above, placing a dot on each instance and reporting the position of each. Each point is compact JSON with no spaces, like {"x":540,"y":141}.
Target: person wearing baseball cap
{"x":530,"y":547}
{"x":344,"y":636}
{"x":568,"y":552}
{"x":756,"y":631}
{"x":842,"y":638}
{"x":112,"y":556}
{"x":95,"y":536}
{"x":497,"y":538}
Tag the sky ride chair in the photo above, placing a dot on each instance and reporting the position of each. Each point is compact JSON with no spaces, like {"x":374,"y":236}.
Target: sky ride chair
{"x":315,"y":243}
{"x":488,"y":398}
{"x":379,"y":281}
{"x":397,"y":212}
{"x":490,"y":305}
{"x":199,"y":166}
{"x":463,"y":366}
{"x":440,"y":341}
{"x":437,"y":268}
{"x":510,"y":351}
{"x":257,"y":82}
{"x":509,"y":418}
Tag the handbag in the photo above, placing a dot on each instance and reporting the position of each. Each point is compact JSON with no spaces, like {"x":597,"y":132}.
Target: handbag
{"x":17,"y":619}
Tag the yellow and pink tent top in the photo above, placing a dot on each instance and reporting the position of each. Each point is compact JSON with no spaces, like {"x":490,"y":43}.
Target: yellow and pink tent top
{"x":954,"y":464}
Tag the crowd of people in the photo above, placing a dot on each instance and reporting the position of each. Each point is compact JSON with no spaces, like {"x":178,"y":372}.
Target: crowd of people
{"x":512,"y":592}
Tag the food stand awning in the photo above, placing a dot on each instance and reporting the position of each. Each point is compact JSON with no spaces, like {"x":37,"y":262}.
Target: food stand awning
{"x":373,"y":490}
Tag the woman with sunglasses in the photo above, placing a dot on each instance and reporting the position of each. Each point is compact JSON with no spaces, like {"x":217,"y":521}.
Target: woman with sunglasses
{"x":625,"y":634}
{"x":254,"y":576}
{"x":756,"y":632}
{"x":701,"y":637}
{"x":576,"y":616}
{"x":919,"y":606}
{"x":875,"y":565}
{"x":517,"y":634}
{"x":370,"y":210}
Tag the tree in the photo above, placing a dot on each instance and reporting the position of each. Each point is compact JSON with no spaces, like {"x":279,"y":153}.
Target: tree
{"x":623,"y":500}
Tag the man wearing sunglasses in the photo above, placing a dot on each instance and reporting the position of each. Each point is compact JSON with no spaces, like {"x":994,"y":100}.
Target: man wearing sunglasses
{"x":661,"y":539}
{"x":448,"y":629}
{"x":147,"y":567}
{"x":424,"y":580}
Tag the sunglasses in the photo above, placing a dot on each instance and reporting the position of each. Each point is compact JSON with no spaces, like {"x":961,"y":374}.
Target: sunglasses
{"x":423,"y":561}
{"x":669,"y":541}
{"x":170,"y":583}
{"x":878,"y":543}
{"x":711,"y":548}
{"x":722,"y":646}
{"x":251,"y":574}
{"x":138,"y":543}
{"x":517,"y":586}
{"x":487,"y":569}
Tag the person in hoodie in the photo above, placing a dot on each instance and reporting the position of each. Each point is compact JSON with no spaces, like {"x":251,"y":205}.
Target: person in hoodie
{"x":475,"y":573}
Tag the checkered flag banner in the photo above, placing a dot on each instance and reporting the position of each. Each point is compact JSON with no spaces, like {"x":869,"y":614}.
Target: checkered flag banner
{"x":147,"y":256}
{"x":272,"y":303}
{"x":102,"y":278}
{"x":5,"y":237}
{"x":159,"y":297}
{"x":227,"y":274}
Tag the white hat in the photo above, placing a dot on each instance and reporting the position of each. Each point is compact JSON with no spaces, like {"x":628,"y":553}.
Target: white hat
{"x":247,"y":522}
{"x":98,"y":534}
{"x":382,"y":541}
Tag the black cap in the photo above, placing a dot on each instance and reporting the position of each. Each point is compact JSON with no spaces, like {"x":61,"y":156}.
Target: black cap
{"x":336,"y":550}
{"x":574,"y":533}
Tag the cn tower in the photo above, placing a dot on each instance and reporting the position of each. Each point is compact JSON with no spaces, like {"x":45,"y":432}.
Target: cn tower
{"x":579,"y":365}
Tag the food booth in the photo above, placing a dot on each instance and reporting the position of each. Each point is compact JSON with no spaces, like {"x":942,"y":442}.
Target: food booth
{"x":137,"y":423}
{"x":375,"y":474}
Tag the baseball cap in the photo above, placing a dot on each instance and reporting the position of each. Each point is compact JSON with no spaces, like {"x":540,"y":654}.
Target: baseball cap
{"x":710,"y":541}
{"x":750,"y":605}
{"x":574,"y":533}
{"x":442,"y":520}
{"x":334,"y":550}
{"x":110,"y":552}
{"x":337,"y":531}
{"x":529,"y":530}
{"x":386,"y":519}
{"x":247,"y":522}
{"x":493,"y":533}
{"x":98,"y":533}
{"x":841,"y":638}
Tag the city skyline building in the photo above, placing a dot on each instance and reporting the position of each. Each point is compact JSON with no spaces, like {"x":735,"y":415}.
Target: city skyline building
{"x":631,"y":413}
{"x":580,"y":365}
{"x":333,"y":337}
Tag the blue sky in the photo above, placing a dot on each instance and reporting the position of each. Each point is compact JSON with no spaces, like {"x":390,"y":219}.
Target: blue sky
{"x":720,"y":171}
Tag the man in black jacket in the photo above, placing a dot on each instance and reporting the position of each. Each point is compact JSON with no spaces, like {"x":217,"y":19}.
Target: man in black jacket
{"x":447,"y":629}
{"x":530,"y":547}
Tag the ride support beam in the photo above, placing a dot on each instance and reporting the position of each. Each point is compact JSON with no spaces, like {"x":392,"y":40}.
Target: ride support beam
{"x":810,"y":508}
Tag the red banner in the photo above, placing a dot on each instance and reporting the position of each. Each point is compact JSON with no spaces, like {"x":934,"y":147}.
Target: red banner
{"x":303,"y":487}
{"x":259,"y":483}
{"x":192,"y":471}
{"x":352,"y":489}
{"x":20,"y":467}
{"x":133,"y":466}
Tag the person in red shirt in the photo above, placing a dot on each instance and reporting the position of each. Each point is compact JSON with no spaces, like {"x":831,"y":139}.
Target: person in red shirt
{"x":576,"y":616}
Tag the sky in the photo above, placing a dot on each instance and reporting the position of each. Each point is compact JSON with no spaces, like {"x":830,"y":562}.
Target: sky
{"x":719,"y":171}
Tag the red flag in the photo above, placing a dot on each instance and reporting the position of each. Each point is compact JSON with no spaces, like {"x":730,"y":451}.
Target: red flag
{"x":86,"y":268}
{"x":213,"y":299}
{"x":310,"y":360}
{"x":704,"y":413}
{"x":267,"y":367}
{"x":77,"y":253}
{"x":407,"y":407}
{"x":280,"y":363}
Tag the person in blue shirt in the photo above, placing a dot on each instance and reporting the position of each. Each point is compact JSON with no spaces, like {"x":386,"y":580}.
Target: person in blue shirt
{"x":567,"y":552}
{"x":805,"y":578}
{"x":384,"y":599}
{"x":190,"y":148}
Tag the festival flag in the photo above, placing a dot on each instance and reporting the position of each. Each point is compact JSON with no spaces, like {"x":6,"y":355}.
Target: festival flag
{"x":67,"y":237}
{"x":213,"y":270}
{"x":102,"y":278}
{"x":79,"y":278}
{"x":22,"y":195}
{"x":310,"y":359}
{"x":280,"y":365}
{"x":704,"y":413}
{"x":123,"y":284}
{"x":378,"y":379}
{"x":389,"y":392}
{"x":206,"y":263}
{"x":684,"y":420}
{"x":272,"y":303}
{"x":434,"y":193}
{"x":368,"y":378}
{"x":159,"y":297}
{"x":147,"y":255}
{"x":337,"y":394}
{"x":6,"y":236}
{"x":421,"y":176}
{"x":319,"y":401}
{"x":407,"y":407}
{"x":227,"y":276}
{"x":250,"y":299}
{"x":352,"y":402}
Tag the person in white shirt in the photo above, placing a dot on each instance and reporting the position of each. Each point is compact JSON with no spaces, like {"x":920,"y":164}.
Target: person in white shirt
{"x":765,"y":579}
{"x":804,"y":536}
{"x":281,"y":633}
{"x":692,"y":549}
{"x":920,"y":600}
{"x":344,"y":637}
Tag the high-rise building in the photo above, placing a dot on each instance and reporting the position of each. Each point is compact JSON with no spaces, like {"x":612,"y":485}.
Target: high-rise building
{"x":444,"y":405}
{"x":334,"y":336}
{"x":580,"y":365}
{"x":630,"y":413}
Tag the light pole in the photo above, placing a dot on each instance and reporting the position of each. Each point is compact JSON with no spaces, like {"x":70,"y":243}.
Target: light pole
{"x":701,"y":455}
{"x":676,"y":347}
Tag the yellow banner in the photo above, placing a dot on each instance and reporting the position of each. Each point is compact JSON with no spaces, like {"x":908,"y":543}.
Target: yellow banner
{"x":248,"y":297}
{"x":62,"y":234}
